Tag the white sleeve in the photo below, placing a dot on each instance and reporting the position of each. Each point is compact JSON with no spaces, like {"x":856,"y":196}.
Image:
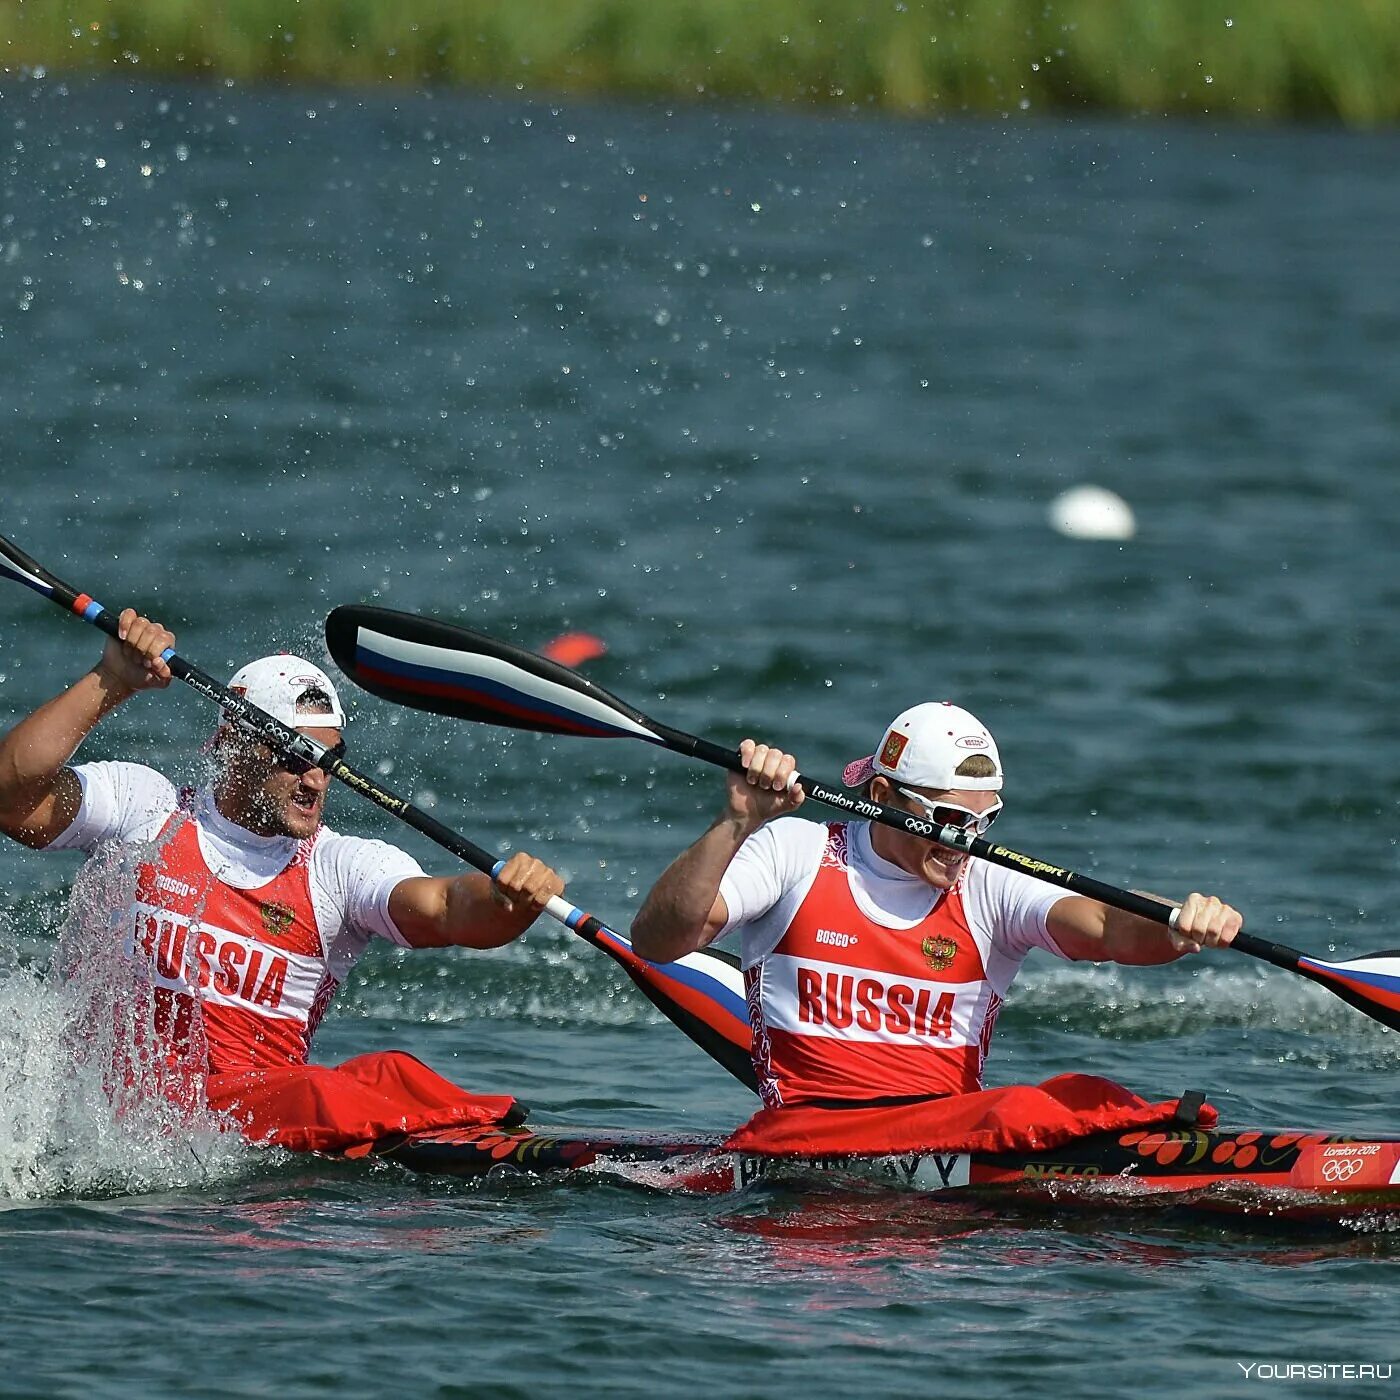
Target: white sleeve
{"x":752,"y":884}
{"x":1014,"y":907}
{"x":359,"y":876}
{"x":121,"y":802}
{"x":767,"y":879}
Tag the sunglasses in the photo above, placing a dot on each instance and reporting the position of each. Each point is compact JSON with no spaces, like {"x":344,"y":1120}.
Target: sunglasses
{"x":299,"y":767}
{"x":950,"y":814}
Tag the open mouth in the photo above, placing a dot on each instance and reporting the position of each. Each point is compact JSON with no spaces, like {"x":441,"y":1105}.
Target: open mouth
{"x":304,"y":800}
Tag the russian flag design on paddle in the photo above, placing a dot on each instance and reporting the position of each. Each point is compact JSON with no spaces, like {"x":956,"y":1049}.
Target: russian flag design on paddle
{"x":497,"y":687}
{"x":1373,"y":983}
{"x":702,"y":984}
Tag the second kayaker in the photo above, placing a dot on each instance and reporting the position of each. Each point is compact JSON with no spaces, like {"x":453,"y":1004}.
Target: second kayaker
{"x":875,"y":961}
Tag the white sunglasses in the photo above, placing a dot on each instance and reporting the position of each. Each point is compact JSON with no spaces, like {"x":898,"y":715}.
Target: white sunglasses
{"x":951,"y":814}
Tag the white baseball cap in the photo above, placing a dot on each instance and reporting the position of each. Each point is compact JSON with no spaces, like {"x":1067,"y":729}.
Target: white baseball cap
{"x":924,"y":747}
{"x":278,"y":684}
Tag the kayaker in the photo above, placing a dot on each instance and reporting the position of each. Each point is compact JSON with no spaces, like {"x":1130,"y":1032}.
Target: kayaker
{"x":875,"y":961}
{"x":246,"y":911}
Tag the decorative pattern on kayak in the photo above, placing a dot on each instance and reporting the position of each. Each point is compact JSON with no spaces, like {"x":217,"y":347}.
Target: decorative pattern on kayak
{"x":1295,"y":1174}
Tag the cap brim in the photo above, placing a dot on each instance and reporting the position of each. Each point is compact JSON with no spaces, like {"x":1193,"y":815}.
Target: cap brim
{"x":860,"y":772}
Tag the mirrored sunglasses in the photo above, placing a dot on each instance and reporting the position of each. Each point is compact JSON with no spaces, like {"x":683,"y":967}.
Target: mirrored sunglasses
{"x":951,"y":814}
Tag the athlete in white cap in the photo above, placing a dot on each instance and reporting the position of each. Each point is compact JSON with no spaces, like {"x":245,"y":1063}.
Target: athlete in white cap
{"x":247,"y":912}
{"x":876,"y":961}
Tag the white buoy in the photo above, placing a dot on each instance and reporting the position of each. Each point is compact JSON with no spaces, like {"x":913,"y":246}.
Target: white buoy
{"x":1091,"y":513}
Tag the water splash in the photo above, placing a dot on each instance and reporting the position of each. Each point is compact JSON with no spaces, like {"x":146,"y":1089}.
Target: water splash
{"x":88,"y":1107}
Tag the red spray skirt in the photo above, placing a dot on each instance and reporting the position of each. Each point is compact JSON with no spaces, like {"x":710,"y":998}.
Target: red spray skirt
{"x":331,"y":1108}
{"x":1019,"y":1118}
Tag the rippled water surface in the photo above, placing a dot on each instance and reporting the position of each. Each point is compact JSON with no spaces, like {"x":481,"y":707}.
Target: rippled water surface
{"x":776,"y":406}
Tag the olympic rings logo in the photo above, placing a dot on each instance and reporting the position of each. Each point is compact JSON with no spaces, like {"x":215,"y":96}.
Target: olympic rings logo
{"x":1339,"y":1169}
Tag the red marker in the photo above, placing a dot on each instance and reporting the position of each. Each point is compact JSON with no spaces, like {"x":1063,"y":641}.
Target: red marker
{"x":574,"y":648}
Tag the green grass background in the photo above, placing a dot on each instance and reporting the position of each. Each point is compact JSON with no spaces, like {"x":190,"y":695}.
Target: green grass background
{"x":1333,"y":60}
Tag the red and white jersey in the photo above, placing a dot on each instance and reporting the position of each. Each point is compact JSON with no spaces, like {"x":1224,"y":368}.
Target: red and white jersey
{"x":252,"y":959}
{"x":863,"y":981}
{"x":257,"y":931}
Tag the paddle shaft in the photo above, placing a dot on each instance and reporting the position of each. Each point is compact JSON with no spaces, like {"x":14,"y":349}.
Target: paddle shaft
{"x":1145,"y":906}
{"x":858,"y":806}
{"x":1158,"y":910}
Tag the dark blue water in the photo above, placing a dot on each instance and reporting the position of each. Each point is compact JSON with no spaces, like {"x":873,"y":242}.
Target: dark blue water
{"x":776,"y":406}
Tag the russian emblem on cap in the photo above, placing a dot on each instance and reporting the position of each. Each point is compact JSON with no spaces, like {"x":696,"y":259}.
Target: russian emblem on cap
{"x":895,"y":744}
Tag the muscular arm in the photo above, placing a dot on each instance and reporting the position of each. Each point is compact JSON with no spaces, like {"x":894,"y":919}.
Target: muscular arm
{"x":472,"y":911}
{"x":684,"y":910}
{"x":39,"y":794}
{"x":1092,"y":932}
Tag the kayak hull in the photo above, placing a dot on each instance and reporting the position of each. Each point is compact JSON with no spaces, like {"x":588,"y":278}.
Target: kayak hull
{"x":1278,"y":1173}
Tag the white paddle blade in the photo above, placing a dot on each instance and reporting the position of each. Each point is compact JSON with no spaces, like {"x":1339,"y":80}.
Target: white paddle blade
{"x":448,"y":670}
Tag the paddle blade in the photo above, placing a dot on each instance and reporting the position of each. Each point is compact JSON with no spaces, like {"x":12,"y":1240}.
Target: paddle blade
{"x":449,"y":670}
{"x":1371,"y":984}
{"x":702,"y":993}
